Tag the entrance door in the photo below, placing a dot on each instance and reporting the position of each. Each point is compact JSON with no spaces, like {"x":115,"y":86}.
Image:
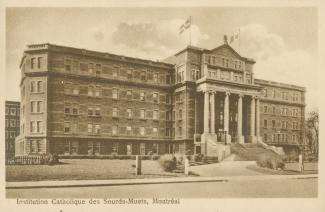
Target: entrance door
{"x":142,"y":148}
{"x":129,"y":149}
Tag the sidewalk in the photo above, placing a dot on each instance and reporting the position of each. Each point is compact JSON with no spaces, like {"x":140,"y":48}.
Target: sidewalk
{"x":88,"y":183}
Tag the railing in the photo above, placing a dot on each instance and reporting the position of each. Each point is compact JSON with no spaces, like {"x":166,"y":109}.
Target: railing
{"x":26,"y":160}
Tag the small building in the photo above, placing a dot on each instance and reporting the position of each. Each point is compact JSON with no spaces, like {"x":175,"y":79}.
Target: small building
{"x":12,"y":127}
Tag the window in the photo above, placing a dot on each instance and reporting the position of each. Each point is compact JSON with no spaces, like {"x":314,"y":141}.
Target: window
{"x":167,"y":79}
{"x":142,"y":131}
{"x":155,"y":131}
{"x":32,"y":126}
{"x":115,"y":72}
{"x":273,"y":110}
{"x":114,"y":130}
{"x":66,"y":127}
{"x":90,"y":111}
{"x":115,"y":148}
{"x":75,"y":110}
{"x":39,"y":106}
{"x":167,"y":99}
{"x":33,"y":87}
{"x":97,"y":111}
{"x":115,"y":94}
{"x":167,"y":132}
{"x":128,"y":130}
{"x":180,"y":114}
{"x":142,"y":96}
{"x":39,"y":126}
{"x":97,"y":92}
{"x":91,"y":68}
{"x":115,"y":112}
{"x":142,"y":114}
{"x":75,"y":91}
{"x":273,"y":123}
{"x":90,"y":91}
{"x":180,"y":130}
{"x":155,"y":148}
{"x":75,"y":66}
{"x":90,"y":128}
{"x":32,"y":62}
{"x":265,"y":123}
{"x":12,"y":123}
{"x":265,"y":109}
{"x":155,"y":97}
{"x":97,"y":129}
{"x":39,"y":62}
{"x":98,"y":69}
{"x":39,"y":86}
{"x":129,"y":75}
{"x":129,"y":94}
{"x":155,"y":77}
{"x":32,"y":106}
{"x":129,"y":113}
{"x":265,"y":137}
{"x":67,"y":65}
{"x":84,"y":67}
{"x":155,"y":114}
{"x":143,"y":76}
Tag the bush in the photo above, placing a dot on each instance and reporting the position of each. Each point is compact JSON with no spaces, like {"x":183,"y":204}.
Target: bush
{"x":179,"y":158}
{"x":168,"y":162}
{"x":198,"y":157}
{"x":155,"y":157}
{"x":270,"y":161}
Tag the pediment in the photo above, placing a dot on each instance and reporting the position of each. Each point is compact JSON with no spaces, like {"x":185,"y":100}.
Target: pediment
{"x":226,"y":51}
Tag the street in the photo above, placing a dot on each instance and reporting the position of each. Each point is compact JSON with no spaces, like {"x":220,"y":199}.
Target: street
{"x":243,"y":188}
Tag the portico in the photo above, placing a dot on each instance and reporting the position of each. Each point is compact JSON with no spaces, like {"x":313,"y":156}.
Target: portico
{"x":229,"y":115}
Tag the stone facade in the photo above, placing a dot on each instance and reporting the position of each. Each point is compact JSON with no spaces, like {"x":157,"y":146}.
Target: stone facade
{"x":76,"y":101}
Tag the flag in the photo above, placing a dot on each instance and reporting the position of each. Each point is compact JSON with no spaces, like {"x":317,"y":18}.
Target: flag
{"x":235,"y":36}
{"x":186,"y":25}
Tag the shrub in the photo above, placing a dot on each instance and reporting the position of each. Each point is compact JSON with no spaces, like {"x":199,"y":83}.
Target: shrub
{"x":198,"y":157}
{"x":154,"y":157}
{"x":179,"y":158}
{"x":168,"y":162}
{"x":270,"y":161}
{"x":280,"y":165}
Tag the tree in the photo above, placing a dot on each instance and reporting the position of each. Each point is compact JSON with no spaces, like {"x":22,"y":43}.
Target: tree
{"x":312,"y":132}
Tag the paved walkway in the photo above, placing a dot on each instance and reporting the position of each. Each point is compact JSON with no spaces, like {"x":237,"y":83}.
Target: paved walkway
{"x":225,"y":168}
{"x":87,"y":183}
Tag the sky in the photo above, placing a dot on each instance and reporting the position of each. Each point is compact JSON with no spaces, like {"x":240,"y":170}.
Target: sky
{"x":283,"y":41}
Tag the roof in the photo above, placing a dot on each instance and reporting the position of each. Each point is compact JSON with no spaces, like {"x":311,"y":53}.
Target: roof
{"x":279,"y":84}
{"x":103,"y":55}
{"x":172,"y":58}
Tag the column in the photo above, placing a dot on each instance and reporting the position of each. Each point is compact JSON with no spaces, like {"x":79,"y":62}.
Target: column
{"x":226,"y":119}
{"x":257,"y":118}
{"x":252,"y":120}
{"x":212,"y":118}
{"x":240,"y":138}
{"x":206,"y":112}
{"x":226,"y":113}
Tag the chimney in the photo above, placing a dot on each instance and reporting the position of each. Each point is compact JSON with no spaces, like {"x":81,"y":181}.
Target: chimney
{"x":225,"y":39}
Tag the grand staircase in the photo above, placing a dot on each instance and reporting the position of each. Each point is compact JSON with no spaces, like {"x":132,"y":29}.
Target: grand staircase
{"x":250,"y":152}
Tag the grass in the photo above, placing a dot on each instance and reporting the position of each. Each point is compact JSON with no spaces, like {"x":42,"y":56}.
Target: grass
{"x":291,"y":169}
{"x":85,"y":169}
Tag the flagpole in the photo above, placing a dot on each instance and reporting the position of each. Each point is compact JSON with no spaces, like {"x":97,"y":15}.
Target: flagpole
{"x":190,"y":30}
{"x":239,"y":39}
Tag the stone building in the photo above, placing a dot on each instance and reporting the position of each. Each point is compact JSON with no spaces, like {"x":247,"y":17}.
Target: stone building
{"x":76,"y":101}
{"x":12,"y":127}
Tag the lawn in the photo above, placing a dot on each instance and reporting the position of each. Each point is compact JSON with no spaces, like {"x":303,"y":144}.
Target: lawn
{"x":85,"y":169}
